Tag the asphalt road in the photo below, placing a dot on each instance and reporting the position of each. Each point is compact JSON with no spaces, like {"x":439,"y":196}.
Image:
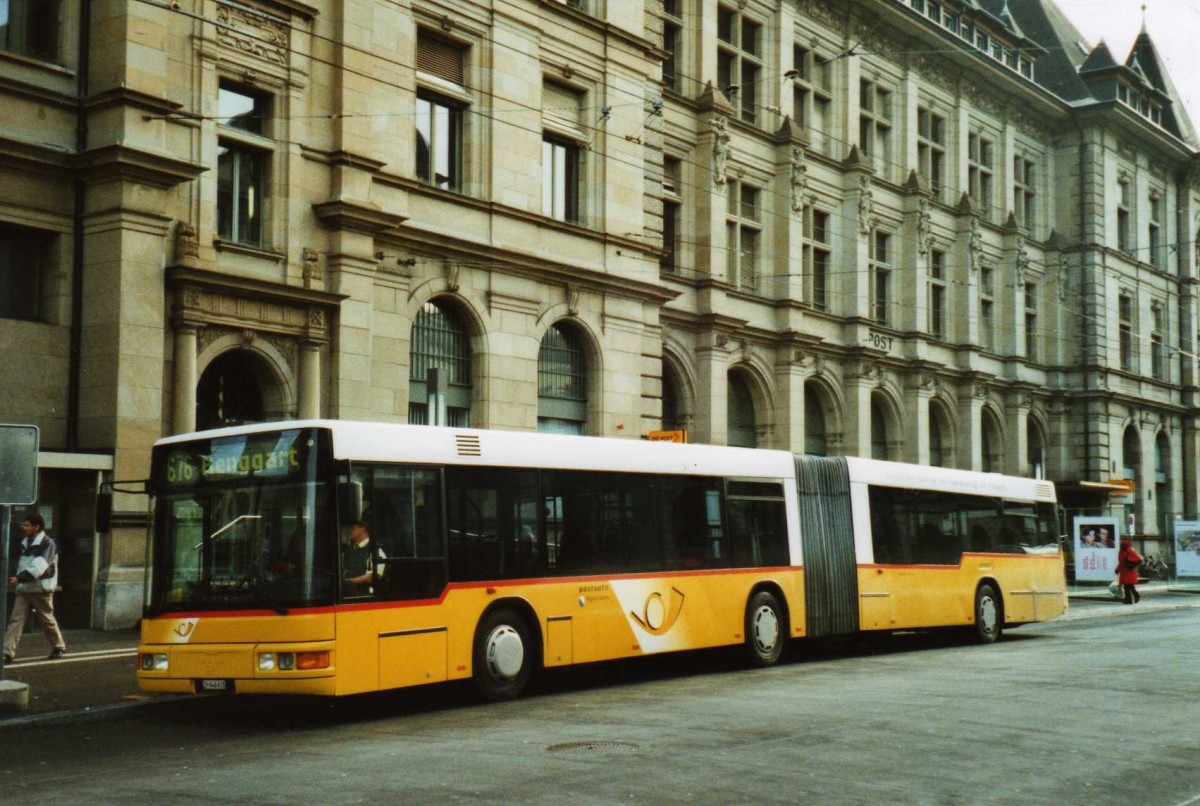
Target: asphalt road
{"x":1089,"y":712}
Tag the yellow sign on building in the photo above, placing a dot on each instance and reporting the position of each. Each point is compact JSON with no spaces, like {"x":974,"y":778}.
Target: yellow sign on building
{"x":668,"y":436}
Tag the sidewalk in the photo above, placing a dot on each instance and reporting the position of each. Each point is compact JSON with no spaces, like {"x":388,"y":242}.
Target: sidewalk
{"x":97,"y":677}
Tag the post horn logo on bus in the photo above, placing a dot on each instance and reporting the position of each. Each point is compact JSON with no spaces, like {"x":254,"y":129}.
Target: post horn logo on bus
{"x":659,"y":616}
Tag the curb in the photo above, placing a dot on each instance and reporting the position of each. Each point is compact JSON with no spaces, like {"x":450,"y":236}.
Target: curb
{"x":90,"y":713}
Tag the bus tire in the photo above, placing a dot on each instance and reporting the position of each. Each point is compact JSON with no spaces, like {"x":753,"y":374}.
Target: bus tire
{"x":503,"y":655}
{"x":766,"y":629}
{"x":989,"y":614}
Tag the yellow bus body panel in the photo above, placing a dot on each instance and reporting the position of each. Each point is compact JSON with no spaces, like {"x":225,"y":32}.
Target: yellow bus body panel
{"x":904,"y":597}
{"x":394,"y":644}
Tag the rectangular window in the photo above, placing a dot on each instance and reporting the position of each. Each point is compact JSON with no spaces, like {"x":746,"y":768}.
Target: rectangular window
{"x":672,"y":213}
{"x":492,"y":515}
{"x":1154,"y":231}
{"x":1125,"y":331}
{"x":931,"y":149}
{"x":244,"y":152}
{"x":979,"y":172}
{"x":405,"y":521}
{"x":881,"y":271}
{"x":1025,"y":190}
{"x":987,"y":310}
{"x":439,"y":142}
{"x":744,"y":233}
{"x":562,"y":152}
{"x":875,"y":123}
{"x":812,"y":99}
{"x":1158,"y":363}
{"x":816,"y":257}
{"x":439,"y":117}
{"x":22,"y":263}
{"x":1031,"y":321}
{"x":739,"y":60}
{"x":30,"y":28}
{"x":1124,"y":239}
{"x":937,"y":293}
{"x":672,"y":43}
{"x":560,"y":179}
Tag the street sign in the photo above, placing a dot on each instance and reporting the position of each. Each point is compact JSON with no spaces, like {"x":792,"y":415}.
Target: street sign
{"x":18,"y":464}
{"x":668,"y":436}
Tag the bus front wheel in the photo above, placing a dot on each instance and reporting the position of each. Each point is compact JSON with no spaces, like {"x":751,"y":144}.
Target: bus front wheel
{"x":503,"y":661}
{"x":989,"y":614}
{"x":766,"y":629}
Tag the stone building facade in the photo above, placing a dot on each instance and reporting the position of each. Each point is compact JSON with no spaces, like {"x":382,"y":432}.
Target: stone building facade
{"x":940,"y":231}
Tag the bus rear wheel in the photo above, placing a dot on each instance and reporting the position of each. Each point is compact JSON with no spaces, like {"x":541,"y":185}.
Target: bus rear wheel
{"x":503,"y":661}
{"x":989,"y":614}
{"x":766,"y":629}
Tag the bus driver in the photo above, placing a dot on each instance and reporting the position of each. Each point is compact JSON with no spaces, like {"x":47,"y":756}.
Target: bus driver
{"x":362,"y":562}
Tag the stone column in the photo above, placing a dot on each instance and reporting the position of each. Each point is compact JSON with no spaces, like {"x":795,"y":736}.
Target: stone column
{"x":184,"y":384}
{"x":309,"y":403}
{"x":1016,"y":434}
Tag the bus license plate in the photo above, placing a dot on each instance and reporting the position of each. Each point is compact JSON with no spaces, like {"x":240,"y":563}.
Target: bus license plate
{"x":214,"y":685}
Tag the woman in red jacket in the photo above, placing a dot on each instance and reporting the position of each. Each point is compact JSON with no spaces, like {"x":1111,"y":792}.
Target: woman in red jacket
{"x":1128,"y":561}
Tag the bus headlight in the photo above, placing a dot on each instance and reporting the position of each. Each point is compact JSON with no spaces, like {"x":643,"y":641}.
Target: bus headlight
{"x":266,"y":661}
{"x":154,"y":663}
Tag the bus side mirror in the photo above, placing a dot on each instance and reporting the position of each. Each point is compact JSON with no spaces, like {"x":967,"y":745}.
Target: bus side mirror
{"x":104,"y":505}
{"x":350,"y":501}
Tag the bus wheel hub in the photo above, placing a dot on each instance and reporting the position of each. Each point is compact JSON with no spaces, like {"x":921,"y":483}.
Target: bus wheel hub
{"x":505,"y":652}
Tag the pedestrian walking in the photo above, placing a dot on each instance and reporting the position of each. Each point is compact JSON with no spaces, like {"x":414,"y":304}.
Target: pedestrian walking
{"x":1128,"y":562}
{"x":36,"y":579}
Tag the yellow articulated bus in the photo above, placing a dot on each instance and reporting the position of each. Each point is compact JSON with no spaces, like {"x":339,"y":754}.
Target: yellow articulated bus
{"x":328,"y":557}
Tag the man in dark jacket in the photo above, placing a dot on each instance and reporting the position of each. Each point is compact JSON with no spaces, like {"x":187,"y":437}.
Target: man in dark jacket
{"x":36,"y":579}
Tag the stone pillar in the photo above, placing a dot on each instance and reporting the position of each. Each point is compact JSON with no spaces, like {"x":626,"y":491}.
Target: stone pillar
{"x":860,"y":384}
{"x":921,"y":389}
{"x":1016,"y":434}
{"x":971,"y":398}
{"x":712,"y":393}
{"x":184,"y":383}
{"x":309,"y":403}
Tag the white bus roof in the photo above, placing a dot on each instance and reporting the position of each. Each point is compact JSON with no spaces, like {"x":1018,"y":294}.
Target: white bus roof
{"x":395,"y":442}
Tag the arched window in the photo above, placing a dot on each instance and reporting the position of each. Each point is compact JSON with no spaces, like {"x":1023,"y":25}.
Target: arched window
{"x":879,"y":431}
{"x":230,"y":391}
{"x":1036,"y":450}
{"x":1162,"y":484}
{"x":743,"y":431}
{"x":439,"y":342}
{"x":814,"y":423}
{"x":937,"y":456}
{"x":1131,"y":455}
{"x":991,"y":446}
{"x":562,"y":383}
{"x":672,"y":418}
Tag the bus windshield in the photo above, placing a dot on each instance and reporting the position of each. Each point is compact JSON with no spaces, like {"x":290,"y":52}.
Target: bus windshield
{"x":243,"y":522}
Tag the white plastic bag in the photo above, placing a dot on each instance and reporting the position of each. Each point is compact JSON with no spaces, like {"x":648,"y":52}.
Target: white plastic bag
{"x":1114,"y":588}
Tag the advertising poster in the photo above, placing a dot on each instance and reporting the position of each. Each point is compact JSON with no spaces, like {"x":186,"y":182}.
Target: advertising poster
{"x":1095,"y":548}
{"x":1187,"y":548}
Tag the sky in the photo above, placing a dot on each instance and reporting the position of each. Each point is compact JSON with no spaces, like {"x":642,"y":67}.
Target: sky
{"x":1173,"y":25}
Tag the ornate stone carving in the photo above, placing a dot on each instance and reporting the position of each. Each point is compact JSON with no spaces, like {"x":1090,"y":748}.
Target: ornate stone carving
{"x":311,"y":271}
{"x":866,"y":205}
{"x":720,"y":149}
{"x":975,"y":244}
{"x":252,"y":33}
{"x":1020,"y":258}
{"x":799,"y":178}
{"x":453,"y":272}
{"x":924,"y":226}
{"x":187,"y":245}
{"x":573,"y":300}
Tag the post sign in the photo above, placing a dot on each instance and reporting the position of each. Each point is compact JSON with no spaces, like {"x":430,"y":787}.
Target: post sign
{"x":18,"y":464}
{"x":668,"y":436}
